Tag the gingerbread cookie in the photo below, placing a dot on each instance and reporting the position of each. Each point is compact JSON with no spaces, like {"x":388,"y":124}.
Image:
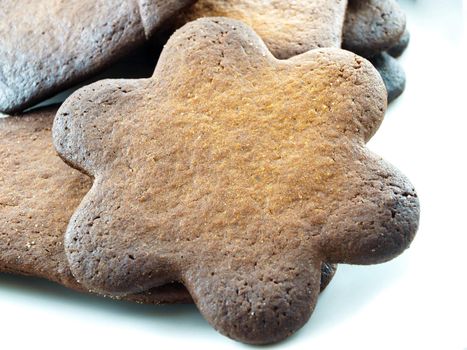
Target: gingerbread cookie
{"x":50,"y":45}
{"x":372,"y":26}
{"x":38,"y":194}
{"x":236,"y":174}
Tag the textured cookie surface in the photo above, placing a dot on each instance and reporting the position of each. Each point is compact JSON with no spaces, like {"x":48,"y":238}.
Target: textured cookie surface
{"x":49,"y":45}
{"x":38,"y":195}
{"x":372,"y":26}
{"x":287,"y":27}
{"x":235,"y":173}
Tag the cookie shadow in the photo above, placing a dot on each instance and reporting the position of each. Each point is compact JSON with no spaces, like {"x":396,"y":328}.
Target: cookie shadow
{"x":352,"y":288}
{"x":163,"y":319}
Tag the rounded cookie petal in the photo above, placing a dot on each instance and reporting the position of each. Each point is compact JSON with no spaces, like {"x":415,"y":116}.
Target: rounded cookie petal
{"x":378,"y":218}
{"x":249,"y":299}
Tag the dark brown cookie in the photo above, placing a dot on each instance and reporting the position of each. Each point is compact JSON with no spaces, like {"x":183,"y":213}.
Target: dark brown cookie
{"x":235,"y":173}
{"x":49,"y":45}
{"x":38,"y":194}
{"x":372,"y":26}
{"x":398,"y":49}
{"x":392,"y":73}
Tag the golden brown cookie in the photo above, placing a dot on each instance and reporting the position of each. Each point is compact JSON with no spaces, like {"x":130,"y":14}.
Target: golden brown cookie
{"x":38,"y":194}
{"x":370,"y":27}
{"x":50,"y":45}
{"x":288,"y":28}
{"x":236,"y":174}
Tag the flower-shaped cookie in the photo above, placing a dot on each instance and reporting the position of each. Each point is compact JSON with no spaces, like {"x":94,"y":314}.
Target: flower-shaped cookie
{"x":234,"y":173}
{"x":49,"y":45}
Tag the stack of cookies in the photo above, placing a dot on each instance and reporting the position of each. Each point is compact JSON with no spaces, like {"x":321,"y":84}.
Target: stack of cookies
{"x":235,"y":177}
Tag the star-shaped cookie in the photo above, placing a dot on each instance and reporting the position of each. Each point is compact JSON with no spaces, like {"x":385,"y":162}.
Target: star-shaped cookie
{"x":236,"y":174}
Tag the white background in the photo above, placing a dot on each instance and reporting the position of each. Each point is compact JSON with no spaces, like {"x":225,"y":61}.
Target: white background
{"x":417,"y":301}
